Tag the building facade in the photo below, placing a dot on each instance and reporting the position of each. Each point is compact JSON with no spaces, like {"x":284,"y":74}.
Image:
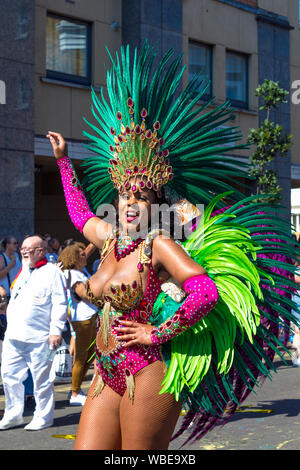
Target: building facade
{"x":52,"y":51}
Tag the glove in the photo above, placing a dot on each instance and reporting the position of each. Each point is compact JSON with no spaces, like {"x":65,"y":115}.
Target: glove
{"x":202,"y":297}
{"x":77,"y":204}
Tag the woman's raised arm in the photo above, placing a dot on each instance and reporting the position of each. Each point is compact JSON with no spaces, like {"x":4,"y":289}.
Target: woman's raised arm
{"x":93,"y":228}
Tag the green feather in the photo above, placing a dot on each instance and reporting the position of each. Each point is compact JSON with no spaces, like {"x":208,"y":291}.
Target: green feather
{"x":197,"y":137}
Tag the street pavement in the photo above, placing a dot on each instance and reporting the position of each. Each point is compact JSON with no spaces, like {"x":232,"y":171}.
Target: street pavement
{"x":267,"y":420}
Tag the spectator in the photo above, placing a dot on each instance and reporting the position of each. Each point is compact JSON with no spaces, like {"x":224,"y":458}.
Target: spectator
{"x":89,"y":250}
{"x":68,"y":242}
{"x":36,"y":316}
{"x":95,"y":265}
{"x":10,"y":263}
{"x":296,"y":338}
{"x":83,"y":316}
{"x":47,"y":236}
{"x":53,"y":249}
{"x":3,"y":305}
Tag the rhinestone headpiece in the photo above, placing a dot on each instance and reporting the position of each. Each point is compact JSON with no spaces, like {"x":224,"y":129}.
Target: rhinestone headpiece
{"x":137,"y":154}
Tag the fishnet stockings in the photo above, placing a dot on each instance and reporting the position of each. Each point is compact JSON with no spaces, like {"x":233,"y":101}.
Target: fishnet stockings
{"x":112,"y":422}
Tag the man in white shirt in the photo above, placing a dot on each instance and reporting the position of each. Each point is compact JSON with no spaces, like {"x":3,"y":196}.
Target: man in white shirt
{"x":36,"y":317}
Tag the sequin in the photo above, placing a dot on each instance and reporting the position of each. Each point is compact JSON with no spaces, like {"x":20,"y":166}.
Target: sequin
{"x":202,"y":297}
{"x":114,"y":363}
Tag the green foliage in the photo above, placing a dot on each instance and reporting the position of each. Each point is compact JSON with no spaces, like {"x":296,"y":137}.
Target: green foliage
{"x":272,"y":94}
{"x":269,"y":140}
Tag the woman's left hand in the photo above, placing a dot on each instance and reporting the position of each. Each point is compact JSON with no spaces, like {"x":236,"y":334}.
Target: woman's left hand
{"x":72,"y":347}
{"x":134,"y":333}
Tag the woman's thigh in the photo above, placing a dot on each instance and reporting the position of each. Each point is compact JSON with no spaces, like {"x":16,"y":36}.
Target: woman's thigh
{"x":99,"y":425}
{"x":148,"y":423}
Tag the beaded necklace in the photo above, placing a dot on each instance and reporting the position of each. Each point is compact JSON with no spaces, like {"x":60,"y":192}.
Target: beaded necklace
{"x":125,"y":245}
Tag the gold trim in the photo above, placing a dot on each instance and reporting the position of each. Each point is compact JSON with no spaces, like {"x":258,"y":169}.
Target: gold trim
{"x":98,"y":386}
{"x":130,"y":385}
{"x":105,"y":323}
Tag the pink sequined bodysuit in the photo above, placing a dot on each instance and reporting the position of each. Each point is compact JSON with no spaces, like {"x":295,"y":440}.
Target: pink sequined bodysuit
{"x":114,"y":361}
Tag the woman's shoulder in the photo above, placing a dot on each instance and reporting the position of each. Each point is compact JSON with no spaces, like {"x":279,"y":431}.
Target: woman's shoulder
{"x":164,"y":241}
{"x":164,"y":248}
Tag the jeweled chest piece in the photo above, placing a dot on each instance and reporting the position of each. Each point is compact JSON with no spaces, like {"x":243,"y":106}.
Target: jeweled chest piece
{"x":125,"y":245}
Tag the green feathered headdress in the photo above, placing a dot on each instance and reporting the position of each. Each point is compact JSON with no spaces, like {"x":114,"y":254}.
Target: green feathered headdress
{"x":150,"y":129}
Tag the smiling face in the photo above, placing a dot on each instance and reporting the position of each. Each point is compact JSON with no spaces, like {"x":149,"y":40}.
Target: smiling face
{"x":135,"y":210}
{"x":33,"y":250}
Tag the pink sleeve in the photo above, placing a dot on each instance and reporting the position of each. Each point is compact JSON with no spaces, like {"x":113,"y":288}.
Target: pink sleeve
{"x":202,"y":297}
{"x":77,"y":204}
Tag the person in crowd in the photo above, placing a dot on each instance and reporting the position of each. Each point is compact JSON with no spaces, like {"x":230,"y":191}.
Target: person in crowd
{"x":53,"y":250}
{"x":67,"y":242}
{"x":10,"y":263}
{"x":3,"y":306}
{"x":47,"y":237}
{"x":36,"y":317}
{"x":296,"y":337}
{"x":73,"y":260}
{"x":89,"y":250}
{"x":95,"y":265}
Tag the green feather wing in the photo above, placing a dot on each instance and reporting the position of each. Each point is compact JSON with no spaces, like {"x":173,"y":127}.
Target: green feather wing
{"x":225,"y":251}
{"x":201,"y":360}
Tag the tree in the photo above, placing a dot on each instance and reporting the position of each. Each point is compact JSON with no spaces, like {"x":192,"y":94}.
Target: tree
{"x":270,"y":141}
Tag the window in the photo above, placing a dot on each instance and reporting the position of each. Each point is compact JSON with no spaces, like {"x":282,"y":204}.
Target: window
{"x":237,"y":79}
{"x":200,"y":63}
{"x":68,"y":50}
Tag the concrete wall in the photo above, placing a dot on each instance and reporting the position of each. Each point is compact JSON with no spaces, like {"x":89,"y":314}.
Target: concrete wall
{"x":17,"y":118}
{"x":159,"y":21}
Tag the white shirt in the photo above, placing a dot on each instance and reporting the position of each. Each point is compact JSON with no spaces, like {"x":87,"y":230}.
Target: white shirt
{"x":80,"y":310}
{"x":38,"y":305}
